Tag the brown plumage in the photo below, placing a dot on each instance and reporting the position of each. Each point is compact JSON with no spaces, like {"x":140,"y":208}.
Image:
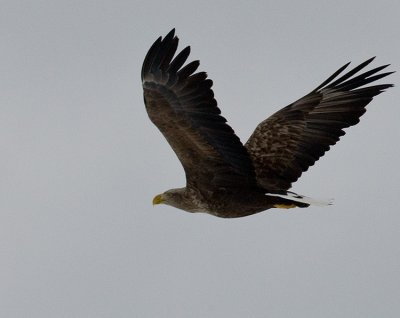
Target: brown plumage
{"x":224,"y":177}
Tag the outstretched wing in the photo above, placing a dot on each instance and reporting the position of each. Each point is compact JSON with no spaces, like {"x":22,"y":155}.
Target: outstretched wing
{"x":290,"y":141}
{"x":181,"y":104}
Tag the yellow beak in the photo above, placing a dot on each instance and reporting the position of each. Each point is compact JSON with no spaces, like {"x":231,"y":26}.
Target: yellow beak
{"x":158,"y":199}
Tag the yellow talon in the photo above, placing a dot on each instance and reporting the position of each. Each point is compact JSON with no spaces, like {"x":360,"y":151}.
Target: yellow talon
{"x":284,"y":206}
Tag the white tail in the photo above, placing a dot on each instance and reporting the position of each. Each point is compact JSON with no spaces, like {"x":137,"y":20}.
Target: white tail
{"x":303,"y":199}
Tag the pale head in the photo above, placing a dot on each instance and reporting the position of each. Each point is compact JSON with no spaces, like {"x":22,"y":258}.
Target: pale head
{"x":180,"y":198}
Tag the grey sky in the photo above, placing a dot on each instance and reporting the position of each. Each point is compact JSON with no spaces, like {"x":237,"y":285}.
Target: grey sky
{"x":81,"y":163}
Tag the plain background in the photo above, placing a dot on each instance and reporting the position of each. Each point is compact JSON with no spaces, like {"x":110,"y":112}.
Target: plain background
{"x":80,"y":163}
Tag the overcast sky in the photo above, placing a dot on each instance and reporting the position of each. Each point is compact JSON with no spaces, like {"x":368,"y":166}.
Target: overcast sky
{"x":80,"y":163}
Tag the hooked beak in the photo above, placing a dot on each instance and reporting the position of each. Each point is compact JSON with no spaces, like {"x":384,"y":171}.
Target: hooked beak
{"x":158,"y":199}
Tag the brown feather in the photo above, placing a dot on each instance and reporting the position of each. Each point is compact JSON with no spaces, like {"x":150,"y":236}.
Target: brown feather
{"x":286,"y":144}
{"x":181,"y":104}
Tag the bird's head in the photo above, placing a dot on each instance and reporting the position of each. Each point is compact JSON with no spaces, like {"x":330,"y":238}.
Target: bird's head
{"x":171,"y":197}
{"x":178,"y":198}
{"x":158,"y":199}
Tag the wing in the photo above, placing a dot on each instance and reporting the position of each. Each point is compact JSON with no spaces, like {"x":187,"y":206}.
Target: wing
{"x":290,"y":141}
{"x":181,"y":104}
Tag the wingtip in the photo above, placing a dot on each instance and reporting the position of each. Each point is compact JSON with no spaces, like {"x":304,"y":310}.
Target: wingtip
{"x":188,"y":48}
{"x":365,"y":63}
{"x":169,"y":37}
{"x":345,"y":65}
{"x":369,"y":60}
{"x":385,"y":66}
{"x":170,"y":34}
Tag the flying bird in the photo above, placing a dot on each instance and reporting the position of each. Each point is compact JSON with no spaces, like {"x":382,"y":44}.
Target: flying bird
{"x":225,"y":178}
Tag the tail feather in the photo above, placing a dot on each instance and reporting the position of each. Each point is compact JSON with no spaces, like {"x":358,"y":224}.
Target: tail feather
{"x":301,"y":200}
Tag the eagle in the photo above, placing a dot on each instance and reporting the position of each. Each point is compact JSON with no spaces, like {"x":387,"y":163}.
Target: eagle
{"x":224,"y":177}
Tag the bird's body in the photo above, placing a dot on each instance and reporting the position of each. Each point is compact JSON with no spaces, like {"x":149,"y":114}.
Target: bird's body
{"x":224,"y":177}
{"x":222,"y":202}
